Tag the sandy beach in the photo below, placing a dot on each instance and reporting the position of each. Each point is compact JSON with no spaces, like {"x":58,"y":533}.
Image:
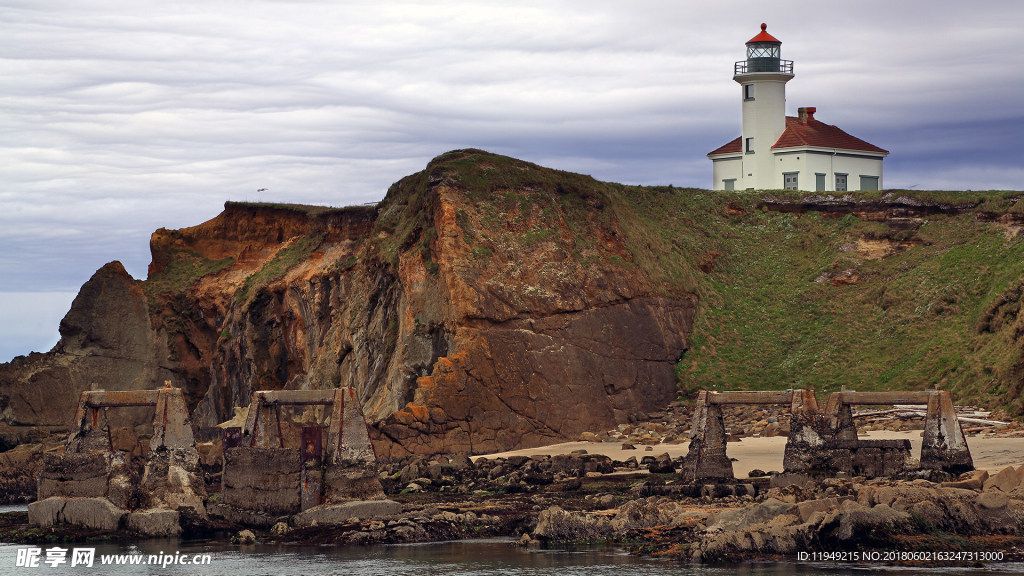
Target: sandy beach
{"x":991,"y":454}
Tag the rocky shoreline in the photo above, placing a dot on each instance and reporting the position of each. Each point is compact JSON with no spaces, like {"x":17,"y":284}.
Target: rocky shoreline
{"x":638,"y":500}
{"x":552,"y":500}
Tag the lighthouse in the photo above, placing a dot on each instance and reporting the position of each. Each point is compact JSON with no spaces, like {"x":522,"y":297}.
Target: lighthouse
{"x":796,"y":152}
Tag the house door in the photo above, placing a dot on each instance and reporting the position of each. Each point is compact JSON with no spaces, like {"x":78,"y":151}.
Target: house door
{"x":791,"y":183}
{"x":840,"y":182}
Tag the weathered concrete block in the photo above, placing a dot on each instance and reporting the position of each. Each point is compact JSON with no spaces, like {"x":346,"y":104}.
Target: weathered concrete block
{"x":340,"y":513}
{"x":351,"y":483}
{"x":46,"y":512}
{"x":155,"y":522}
{"x":263,"y":480}
{"x":73,"y":476}
{"x":123,"y":482}
{"x":96,"y":513}
{"x":173,"y":479}
{"x":311,"y":486}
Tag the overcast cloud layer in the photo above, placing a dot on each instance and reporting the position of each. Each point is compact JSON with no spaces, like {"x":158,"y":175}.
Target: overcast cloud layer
{"x":117,"y":118}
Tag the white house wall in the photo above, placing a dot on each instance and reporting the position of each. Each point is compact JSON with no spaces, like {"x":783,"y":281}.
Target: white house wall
{"x":725,"y":169}
{"x":857,"y":167}
{"x":807,"y":165}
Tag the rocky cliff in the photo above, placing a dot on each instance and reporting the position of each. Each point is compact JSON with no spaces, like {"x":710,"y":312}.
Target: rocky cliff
{"x":485,"y":304}
{"x":488,"y":303}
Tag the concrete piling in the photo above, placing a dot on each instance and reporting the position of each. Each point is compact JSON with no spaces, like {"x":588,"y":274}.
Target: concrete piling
{"x":824,"y":443}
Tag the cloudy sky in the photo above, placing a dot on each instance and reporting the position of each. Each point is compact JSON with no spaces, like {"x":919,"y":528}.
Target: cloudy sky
{"x":120,"y":117}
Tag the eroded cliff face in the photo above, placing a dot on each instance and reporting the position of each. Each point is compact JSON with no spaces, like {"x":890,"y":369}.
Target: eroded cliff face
{"x":488,"y":304}
{"x":107,"y":342}
{"x":471,"y":317}
{"x":461,"y":329}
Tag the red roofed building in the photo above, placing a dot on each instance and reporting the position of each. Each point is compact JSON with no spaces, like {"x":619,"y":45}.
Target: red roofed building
{"x":794,"y":152}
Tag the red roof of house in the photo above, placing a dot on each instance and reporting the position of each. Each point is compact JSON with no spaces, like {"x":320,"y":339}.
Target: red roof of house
{"x":734,"y":146}
{"x":764,"y":36}
{"x":816,"y":133}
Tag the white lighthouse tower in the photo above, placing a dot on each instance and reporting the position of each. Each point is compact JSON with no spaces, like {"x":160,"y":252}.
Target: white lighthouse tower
{"x":762,"y":77}
{"x":797,"y":152}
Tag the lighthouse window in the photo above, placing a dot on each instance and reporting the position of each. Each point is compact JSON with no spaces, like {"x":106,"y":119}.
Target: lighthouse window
{"x":748,"y":91}
{"x":750,"y":145}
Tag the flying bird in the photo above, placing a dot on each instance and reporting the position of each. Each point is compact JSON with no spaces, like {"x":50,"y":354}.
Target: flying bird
{"x":262,"y":190}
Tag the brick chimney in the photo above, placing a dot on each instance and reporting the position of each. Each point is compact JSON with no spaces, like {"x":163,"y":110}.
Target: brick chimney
{"x":806,"y":114}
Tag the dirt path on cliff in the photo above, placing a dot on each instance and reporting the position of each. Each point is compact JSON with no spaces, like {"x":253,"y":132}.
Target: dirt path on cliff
{"x":992,"y":454}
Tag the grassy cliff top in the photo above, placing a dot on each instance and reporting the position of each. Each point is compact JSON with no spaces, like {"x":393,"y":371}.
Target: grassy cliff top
{"x":886,"y":290}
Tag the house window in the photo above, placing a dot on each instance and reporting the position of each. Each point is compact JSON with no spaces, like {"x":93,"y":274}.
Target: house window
{"x":869,"y":182}
{"x":748,"y":91}
{"x":730,"y":183}
{"x":791,"y":180}
{"x":840,"y":182}
{"x":819,"y":182}
{"x":750,"y":145}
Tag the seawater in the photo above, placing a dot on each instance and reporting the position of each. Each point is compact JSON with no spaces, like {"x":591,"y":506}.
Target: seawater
{"x":492,"y":557}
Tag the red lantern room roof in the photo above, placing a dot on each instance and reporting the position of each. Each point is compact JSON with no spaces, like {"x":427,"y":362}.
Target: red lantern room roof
{"x":764,"y":36}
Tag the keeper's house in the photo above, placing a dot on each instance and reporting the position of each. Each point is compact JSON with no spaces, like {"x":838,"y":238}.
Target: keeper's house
{"x":779,"y":151}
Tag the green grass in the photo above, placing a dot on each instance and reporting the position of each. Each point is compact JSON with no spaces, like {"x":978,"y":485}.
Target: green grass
{"x":932,"y":314}
{"x":763,"y":323}
{"x":945,"y":311}
{"x":276,"y":268}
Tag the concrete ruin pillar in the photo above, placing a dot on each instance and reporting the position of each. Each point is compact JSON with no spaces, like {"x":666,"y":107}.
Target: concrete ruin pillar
{"x":944,"y":446}
{"x":172,"y":426}
{"x":838,"y":419}
{"x":92,"y":474}
{"x":92,"y":431}
{"x":706,"y":459}
{"x":351,"y":464}
{"x":348,"y":441}
{"x":264,"y":424}
{"x":805,"y":441}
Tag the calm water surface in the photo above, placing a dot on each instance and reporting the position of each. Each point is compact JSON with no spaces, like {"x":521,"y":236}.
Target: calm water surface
{"x":465,"y":558}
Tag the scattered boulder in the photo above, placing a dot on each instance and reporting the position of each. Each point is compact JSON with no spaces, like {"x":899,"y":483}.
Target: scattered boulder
{"x":854,"y":523}
{"x":974,"y":480}
{"x":661,"y":464}
{"x":1005,"y":481}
